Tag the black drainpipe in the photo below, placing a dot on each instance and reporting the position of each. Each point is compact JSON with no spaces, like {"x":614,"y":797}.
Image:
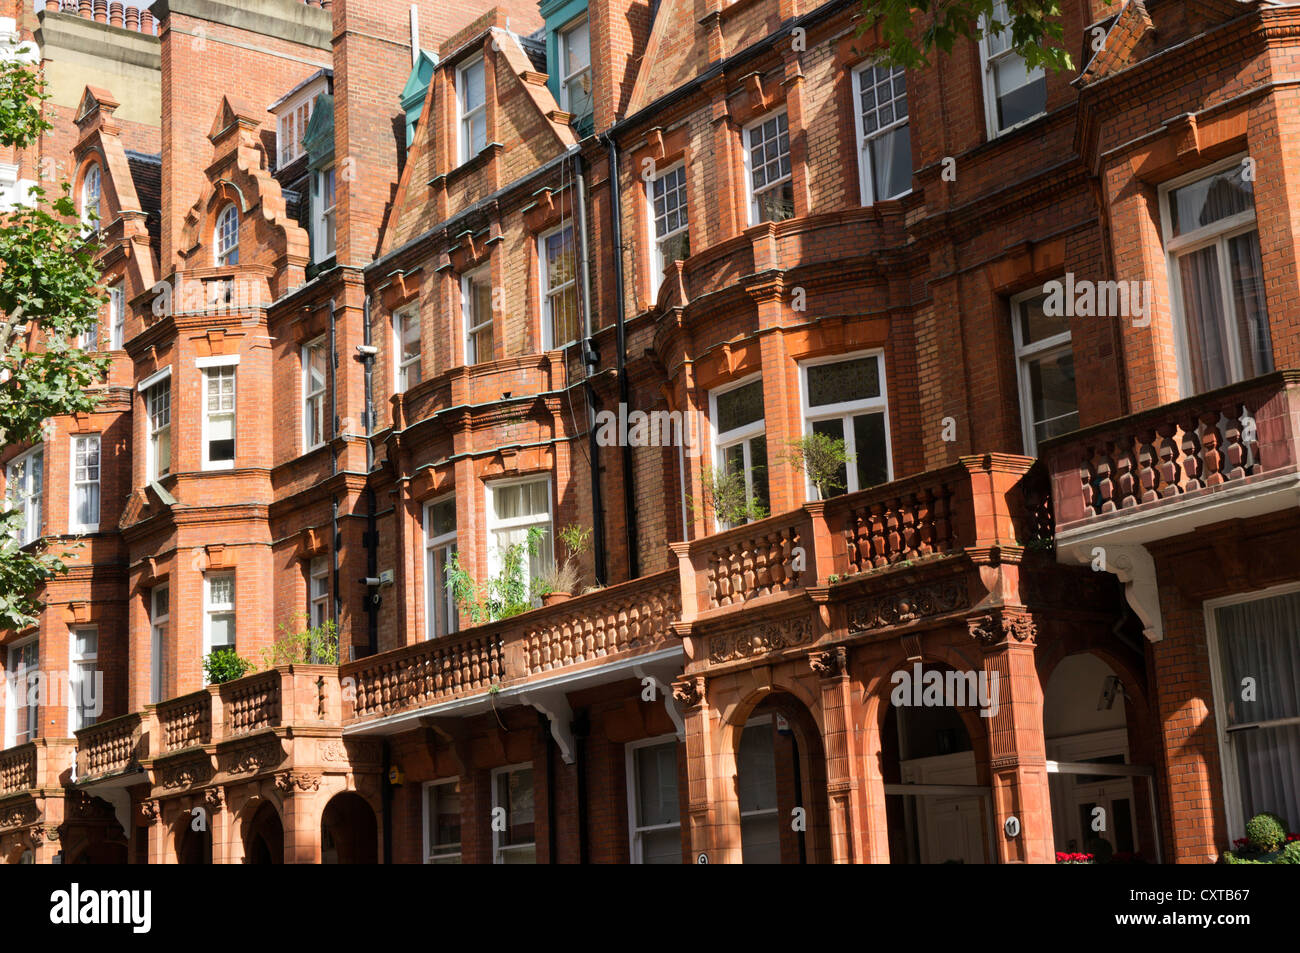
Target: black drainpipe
{"x":552,"y":839}
{"x":590,"y":360}
{"x":620,"y":334}
{"x":372,"y":526}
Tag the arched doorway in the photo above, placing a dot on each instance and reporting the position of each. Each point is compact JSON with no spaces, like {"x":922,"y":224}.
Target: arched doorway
{"x":781,"y":785}
{"x":1103,"y":810}
{"x":193,"y":847}
{"x":937,"y":811}
{"x":264,"y":836}
{"x":348,"y":831}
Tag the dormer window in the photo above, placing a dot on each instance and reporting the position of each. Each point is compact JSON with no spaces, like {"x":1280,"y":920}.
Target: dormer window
{"x":226,"y":237}
{"x":575,"y":69}
{"x":471,"y":102}
{"x":91,"y":193}
{"x":292,"y":128}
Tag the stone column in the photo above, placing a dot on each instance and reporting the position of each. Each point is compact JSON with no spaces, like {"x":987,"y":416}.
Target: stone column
{"x":713,"y":812}
{"x":302,"y":812}
{"x":1017,"y":748}
{"x":843,"y":765}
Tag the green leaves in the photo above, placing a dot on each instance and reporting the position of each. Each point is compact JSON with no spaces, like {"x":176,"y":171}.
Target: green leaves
{"x":913,"y":31}
{"x":49,"y":296}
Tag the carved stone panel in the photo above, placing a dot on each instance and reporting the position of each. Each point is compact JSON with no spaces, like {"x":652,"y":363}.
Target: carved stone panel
{"x":761,"y":639}
{"x":907,"y":605}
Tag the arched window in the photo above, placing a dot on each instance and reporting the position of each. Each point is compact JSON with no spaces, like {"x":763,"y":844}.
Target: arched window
{"x":226,"y":238}
{"x":91,"y":192}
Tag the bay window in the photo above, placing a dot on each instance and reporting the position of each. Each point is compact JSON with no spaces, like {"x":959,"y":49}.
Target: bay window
{"x":513,"y":508}
{"x":767,"y":170}
{"x":218,"y":612}
{"x":84,"y":516}
{"x":116,"y":317}
{"x":1216,"y":277}
{"x":513,"y":817}
{"x":471,"y":105}
{"x":884,"y":140}
{"x":441,"y":616}
{"x":25,"y":483}
{"x":559,"y":263}
{"x":314,"y":378}
{"x":845,"y":400}
{"x":406,"y":345}
{"x":219,"y":417}
{"x":1013,"y":93}
{"x":476,"y":304}
{"x":740,"y":440}
{"x":84,"y":702}
{"x":318,"y":592}
{"x":442,"y":822}
{"x":670,"y":229}
{"x":655,"y":823}
{"x":1045,"y":367}
{"x":575,"y":70}
{"x":158,"y":409}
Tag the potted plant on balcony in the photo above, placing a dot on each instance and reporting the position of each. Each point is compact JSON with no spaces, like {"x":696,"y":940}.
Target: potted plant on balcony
{"x":726,"y":496}
{"x":823,"y":460}
{"x":302,"y":643}
{"x":508,"y":593}
{"x":225,"y":665}
{"x":1267,"y":841}
{"x":559,"y":581}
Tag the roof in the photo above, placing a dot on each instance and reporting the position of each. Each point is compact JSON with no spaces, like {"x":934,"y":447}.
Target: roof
{"x":324,"y":72}
{"x":146,"y":174}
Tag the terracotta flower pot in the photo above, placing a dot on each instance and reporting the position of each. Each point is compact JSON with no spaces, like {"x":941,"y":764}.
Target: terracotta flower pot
{"x":553,"y":598}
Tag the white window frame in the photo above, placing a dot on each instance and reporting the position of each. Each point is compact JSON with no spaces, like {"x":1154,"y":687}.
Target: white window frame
{"x":1219,"y":234}
{"x":77,"y":672}
{"x":634,"y":794}
{"x":30,"y":499}
{"x":751,"y":195}
{"x":292,"y":123}
{"x":117,"y":316}
{"x":563,"y":37}
{"x":657,"y":260}
{"x":225,"y":242}
{"x":467,"y":281}
{"x":1026,"y":354}
{"x":547,"y":293}
{"x":211,"y":609}
{"x":495,"y":525}
{"x":209,"y":374}
{"x":401,"y":364}
{"x":434,"y":589}
{"x":988,"y":63}
{"x":498,"y":849}
{"x":155,"y":433}
{"x":75,"y":525}
{"x":724,"y":439}
{"x":428,"y":826}
{"x":157,"y":633}
{"x":866,"y":185}
{"x":313,"y":401}
{"x":89,"y":340}
{"x":318,"y":598}
{"x":95,"y":174}
{"x":324,"y":218}
{"x":845,"y":411}
{"x":465,"y":121}
{"x":1227,"y":755}
{"x":15,"y":690}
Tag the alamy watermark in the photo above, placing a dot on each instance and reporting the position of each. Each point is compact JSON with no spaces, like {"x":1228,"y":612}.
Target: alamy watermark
{"x":1084,"y":298}
{"x":655,"y":428}
{"x":935,"y":689}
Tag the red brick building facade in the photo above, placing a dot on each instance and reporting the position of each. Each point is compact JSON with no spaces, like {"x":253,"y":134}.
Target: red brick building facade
{"x":392,"y":283}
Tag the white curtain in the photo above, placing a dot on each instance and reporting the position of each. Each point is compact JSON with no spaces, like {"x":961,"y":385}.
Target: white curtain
{"x":1260,"y":641}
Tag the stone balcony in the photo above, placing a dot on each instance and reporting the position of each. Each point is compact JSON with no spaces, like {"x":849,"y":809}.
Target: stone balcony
{"x":1232,"y":453}
{"x":32,"y":779}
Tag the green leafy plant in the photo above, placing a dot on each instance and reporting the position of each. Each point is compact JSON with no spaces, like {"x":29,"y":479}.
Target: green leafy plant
{"x":300,"y":643}
{"x":564,"y":575}
{"x":507,"y":594}
{"x":823,"y":459}
{"x":225,"y":665}
{"x":1266,"y":842}
{"x":913,"y":29}
{"x":726,"y":497}
{"x":49,"y":297}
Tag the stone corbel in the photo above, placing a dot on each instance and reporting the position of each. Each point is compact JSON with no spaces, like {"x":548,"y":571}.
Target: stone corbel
{"x":758,"y":100}
{"x":1133,"y":566}
{"x":554,"y":704}
{"x":665,"y":689}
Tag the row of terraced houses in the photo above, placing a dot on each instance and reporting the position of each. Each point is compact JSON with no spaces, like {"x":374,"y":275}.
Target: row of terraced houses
{"x":393,"y":287}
